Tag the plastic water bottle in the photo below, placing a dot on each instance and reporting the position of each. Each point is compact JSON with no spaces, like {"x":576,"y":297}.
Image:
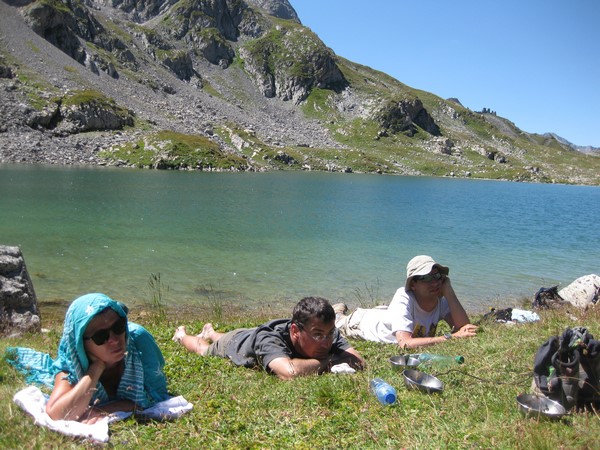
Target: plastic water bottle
{"x":431,"y":359}
{"x":385,"y":393}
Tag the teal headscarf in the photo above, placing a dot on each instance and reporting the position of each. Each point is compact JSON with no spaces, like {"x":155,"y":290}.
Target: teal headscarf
{"x":143,"y":380}
{"x":72,"y":357}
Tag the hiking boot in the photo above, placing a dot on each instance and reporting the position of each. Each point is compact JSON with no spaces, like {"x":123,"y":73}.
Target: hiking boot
{"x":340,"y":308}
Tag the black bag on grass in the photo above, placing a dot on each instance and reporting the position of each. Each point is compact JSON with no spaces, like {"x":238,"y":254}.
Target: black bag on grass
{"x":498,"y":315}
{"x":567,"y":369}
{"x":547,"y":298}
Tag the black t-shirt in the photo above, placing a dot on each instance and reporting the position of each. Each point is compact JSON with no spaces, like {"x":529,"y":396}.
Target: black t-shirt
{"x":261,"y":345}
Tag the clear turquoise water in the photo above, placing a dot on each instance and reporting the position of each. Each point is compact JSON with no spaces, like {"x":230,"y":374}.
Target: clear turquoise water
{"x":275,"y":237}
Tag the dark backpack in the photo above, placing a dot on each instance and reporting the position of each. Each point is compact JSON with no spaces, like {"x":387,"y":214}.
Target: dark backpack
{"x":496,"y":315}
{"x":567,"y":369}
{"x":547,"y":298}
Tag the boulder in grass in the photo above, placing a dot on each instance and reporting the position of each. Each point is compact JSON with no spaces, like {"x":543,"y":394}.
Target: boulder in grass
{"x":582,"y":292}
{"x":18,"y":303}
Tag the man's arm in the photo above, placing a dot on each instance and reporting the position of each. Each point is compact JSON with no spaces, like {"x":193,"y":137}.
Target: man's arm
{"x":458,"y":317}
{"x":288,"y":368}
{"x":406,"y":340}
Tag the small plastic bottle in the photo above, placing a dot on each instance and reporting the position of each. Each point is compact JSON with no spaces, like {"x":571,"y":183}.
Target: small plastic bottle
{"x":385,"y":393}
{"x":439,"y":360}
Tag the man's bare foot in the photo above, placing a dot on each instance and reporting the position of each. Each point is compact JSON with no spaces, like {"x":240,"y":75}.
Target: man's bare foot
{"x":207,"y":332}
{"x":179,"y":334}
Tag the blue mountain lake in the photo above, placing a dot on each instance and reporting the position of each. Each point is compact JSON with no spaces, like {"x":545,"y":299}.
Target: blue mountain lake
{"x":256,"y":238}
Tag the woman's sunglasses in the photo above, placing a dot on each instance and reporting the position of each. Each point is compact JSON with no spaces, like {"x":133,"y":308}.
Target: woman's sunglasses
{"x":101,"y":336}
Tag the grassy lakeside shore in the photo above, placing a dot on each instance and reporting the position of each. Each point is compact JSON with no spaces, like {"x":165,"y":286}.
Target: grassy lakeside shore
{"x":240,"y":408}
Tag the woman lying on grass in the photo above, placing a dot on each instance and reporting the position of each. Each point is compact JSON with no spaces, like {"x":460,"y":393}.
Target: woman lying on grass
{"x":104,"y":364}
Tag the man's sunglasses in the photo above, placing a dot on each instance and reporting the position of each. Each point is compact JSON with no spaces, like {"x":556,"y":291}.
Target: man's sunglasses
{"x":319,"y":337}
{"x":429,"y":278}
{"x":101,"y":336}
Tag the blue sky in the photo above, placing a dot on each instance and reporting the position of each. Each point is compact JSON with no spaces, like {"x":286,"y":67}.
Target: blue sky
{"x":534,"y":62}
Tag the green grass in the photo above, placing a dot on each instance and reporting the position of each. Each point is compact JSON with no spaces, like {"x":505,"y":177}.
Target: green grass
{"x":241,"y":408}
{"x":274,"y":48}
{"x":171,"y":150}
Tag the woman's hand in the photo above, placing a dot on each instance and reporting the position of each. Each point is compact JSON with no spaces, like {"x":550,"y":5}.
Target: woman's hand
{"x":94,"y":414}
{"x":98,"y":364}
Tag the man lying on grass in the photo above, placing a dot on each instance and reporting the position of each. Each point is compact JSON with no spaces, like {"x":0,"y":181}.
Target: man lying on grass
{"x":308,"y":343}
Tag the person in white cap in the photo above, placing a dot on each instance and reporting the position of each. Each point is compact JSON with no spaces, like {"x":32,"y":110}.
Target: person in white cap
{"x":412,"y":317}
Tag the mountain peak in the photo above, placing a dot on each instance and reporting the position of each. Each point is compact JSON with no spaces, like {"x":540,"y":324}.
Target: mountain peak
{"x":235,"y":85}
{"x":281,"y":9}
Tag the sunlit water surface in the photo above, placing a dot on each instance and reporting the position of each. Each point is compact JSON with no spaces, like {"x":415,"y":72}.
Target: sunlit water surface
{"x":275,"y":237}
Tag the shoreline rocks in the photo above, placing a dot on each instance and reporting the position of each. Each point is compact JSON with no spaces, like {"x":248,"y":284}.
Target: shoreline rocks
{"x":19,"y":311}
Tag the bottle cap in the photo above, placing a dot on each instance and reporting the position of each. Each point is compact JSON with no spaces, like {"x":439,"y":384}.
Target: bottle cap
{"x":390,"y":398}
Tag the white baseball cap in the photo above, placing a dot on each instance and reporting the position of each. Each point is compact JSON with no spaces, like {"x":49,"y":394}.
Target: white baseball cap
{"x":422,"y":265}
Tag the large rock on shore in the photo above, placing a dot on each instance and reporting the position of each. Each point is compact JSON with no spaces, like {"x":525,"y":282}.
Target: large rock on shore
{"x":18,"y":304}
{"x":583,"y":292}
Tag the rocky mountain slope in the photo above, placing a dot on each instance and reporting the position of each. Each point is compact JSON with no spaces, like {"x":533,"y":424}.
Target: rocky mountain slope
{"x":235,"y":85}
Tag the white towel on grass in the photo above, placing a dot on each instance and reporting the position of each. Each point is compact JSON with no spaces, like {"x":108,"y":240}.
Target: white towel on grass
{"x":33,"y":401}
{"x":342,"y":368}
{"x":166,"y":410}
{"x":521,"y":316}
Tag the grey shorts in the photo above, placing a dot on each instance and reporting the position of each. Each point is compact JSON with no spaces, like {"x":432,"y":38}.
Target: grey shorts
{"x":219,"y":348}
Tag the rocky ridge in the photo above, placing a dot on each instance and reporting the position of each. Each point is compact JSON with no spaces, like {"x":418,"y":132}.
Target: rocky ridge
{"x":190,"y":110}
{"x":87,"y":82}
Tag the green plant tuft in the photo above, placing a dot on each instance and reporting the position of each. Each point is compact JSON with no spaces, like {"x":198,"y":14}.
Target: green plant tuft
{"x":157,"y":289}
